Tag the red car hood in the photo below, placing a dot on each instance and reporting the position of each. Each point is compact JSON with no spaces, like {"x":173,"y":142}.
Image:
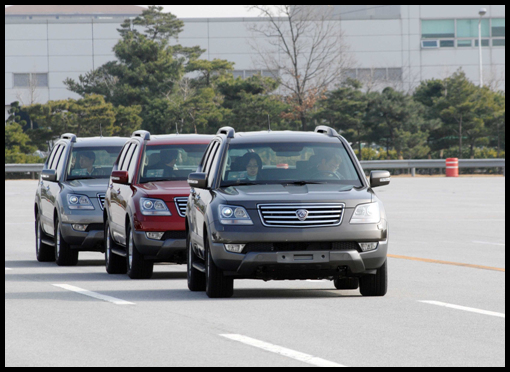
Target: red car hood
{"x":166,"y":190}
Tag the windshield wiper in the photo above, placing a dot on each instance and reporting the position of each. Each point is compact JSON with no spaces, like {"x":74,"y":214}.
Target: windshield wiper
{"x":301,"y":183}
{"x":241,"y":184}
{"x":81,"y":178}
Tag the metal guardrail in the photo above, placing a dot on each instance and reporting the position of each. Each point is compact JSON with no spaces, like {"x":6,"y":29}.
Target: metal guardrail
{"x":366,"y":164}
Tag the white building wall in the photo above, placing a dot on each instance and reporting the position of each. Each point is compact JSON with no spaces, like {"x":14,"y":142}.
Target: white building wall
{"x":67,"y":48}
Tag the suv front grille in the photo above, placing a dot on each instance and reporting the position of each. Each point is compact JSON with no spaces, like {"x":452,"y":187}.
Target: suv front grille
{"x":180,"y":205}
{"x":100,"y":197}
{"x":311,"y":214}
{"x":300,"y":246}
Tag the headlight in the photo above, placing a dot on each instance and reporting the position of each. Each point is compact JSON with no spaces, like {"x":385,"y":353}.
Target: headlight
{"x":366,"y":213}
{"x":79,"y":202}
{"x":154,"y":207}
{"x":230,"y":215}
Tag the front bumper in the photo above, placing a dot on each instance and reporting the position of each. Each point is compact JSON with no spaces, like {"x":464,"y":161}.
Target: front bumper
{"x":84,"y":241}
{"x":173,"y":250}
{"x":299,"y":264}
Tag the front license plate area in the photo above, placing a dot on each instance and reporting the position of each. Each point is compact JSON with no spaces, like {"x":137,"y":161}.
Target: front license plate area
{"x":303,"y":257}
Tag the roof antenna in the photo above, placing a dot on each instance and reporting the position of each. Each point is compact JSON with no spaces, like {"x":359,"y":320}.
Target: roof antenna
{"x":176,"y":128}
{"x":100,"y":130}
{"x":268,"y":123}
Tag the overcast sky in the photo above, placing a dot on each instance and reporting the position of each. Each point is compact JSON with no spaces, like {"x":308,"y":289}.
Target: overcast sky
{"x":207,"y":11}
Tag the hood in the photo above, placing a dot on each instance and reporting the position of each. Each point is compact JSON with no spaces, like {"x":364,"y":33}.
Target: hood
{"x":165,"y":190}
{"x":250,"y":196}
{"x":89,"y":187}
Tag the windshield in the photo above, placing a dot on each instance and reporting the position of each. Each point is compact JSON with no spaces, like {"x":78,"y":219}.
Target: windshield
{"x":289,"y":163}
{"x":170,"y":162}
{"x":92,"y":162}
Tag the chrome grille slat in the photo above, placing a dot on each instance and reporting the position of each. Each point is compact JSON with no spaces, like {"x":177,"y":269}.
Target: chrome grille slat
{"x":180,"y":205}
{"x":284,"y":215}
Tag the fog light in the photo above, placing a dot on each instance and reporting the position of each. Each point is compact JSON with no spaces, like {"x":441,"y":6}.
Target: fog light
{"x":78,"y":227}
{"x":236,"y":248}
{"x":368,"y":246}
{"x":155,"y":235}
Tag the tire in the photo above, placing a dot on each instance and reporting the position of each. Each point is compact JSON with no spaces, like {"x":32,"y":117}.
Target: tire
{"x":196,"y":278}
{"x":217,"y":284}
{"x":137,"y":266}
{"x":346,"y":283}
{"x":375,"y":285}
{"x":114,"y":263}
{"x":43,"y":252}
{"x":64,"y":255}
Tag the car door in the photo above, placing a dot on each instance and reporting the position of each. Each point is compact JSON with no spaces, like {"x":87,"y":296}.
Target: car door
{"x":121,"y":194}
{"x":202,"y":197}
{"x":112,"y":197}
{"x":50,"y":190}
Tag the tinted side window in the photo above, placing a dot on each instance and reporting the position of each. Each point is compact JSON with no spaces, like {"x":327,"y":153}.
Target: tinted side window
{"x":206,"y":156}
{"x":125,"y":163}
{"x":57,"y":156}
{"x":210,"y":159}
{"x":132,"y":163}
{"x":52,"y":156}
{"x":122,"y":156}
{"x":61,"y":161}
{"x":214,"y":164}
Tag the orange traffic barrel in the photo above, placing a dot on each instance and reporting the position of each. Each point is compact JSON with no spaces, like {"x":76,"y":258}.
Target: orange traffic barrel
{"x":452,"y":167}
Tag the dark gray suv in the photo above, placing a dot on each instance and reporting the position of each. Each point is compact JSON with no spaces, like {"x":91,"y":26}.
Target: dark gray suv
{"x":69,"y":199}
{"x":285,"y":205}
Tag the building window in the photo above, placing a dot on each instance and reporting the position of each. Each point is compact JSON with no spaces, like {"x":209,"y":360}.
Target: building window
{"x":498,"y":27}
{"x":436,"y":29}
{"x":464,"y":43}
{"x":497,"y":42}
{"x":373,"y":74}
{"x":395,"y":74}
{"x":469,"y":28}
{"x":485,"y":43}
{"x":447,"y":43}
{"x":30,"y":80}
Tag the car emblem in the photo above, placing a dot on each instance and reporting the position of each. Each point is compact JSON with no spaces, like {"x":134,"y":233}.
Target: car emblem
{"x":302,"y":214}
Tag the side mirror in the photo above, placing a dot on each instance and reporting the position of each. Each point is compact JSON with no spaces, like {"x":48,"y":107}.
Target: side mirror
{"x":49,"y":175}
{"x":379,"y":178}
{"x":121,"y":177}
{"x":198,"y":180}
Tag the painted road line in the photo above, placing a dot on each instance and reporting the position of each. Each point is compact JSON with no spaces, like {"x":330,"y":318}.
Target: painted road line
{"x":471,"y":309}
{"x":501,"y":244}
{"x":447,"y":262}
{"x":7,"y":269}
{"x":305,"y":358}
{"x":93,"y":294}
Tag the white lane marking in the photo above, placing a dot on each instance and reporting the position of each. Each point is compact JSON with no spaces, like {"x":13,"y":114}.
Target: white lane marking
{"x":305,"y":358}
{"x":503,"y":244}
{"x":470,"y":309}
{"x":93,"y":294}
{"x":7,"y":269}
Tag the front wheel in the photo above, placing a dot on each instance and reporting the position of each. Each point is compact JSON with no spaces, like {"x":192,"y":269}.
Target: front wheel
{"x":43,"y":252}
{"x":217,"y":284}
{"x":137,"y":266}
{"x":114,"y":263}
{"x":64,"y":255}
{"x":196,"y":278}
{"x":375,"y":285}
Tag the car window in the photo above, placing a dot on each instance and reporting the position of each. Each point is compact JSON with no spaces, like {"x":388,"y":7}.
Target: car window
{"x":289,"y":162}
{"x":91,"y":162}
{"x":132,"y":163}
{"x":53,"y":160}
{"x":211,"y":157}
{"x":170,"y":162}
{"x":127,"y":158}
{"x":125,"y":148}
{"x":61,"y":161}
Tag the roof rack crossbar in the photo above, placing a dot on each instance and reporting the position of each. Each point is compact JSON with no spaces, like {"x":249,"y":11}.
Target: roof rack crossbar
{"x":228,"y":131}
{"x":324,"y":129}
{"x":142,"y":133}
{"x":69,"y":136}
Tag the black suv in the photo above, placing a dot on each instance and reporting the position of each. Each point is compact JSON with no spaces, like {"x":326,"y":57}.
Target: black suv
{"x":69,"y":199}
{"x":285,"y":205}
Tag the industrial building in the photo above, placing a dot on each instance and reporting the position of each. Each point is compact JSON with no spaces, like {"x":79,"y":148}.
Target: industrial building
{"x":396,"y":45}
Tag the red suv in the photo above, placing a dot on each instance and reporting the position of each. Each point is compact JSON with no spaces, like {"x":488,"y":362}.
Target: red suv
{"x":145,"y":203}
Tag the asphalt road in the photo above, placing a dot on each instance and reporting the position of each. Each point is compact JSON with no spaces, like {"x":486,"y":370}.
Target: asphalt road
{"x":437,"y":312}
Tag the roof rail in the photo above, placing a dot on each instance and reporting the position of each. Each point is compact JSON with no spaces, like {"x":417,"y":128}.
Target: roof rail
{"x":228,"y":131}
{"x":142,"y":133}
{"x":324,"y":129}
{"x":69,"y":136}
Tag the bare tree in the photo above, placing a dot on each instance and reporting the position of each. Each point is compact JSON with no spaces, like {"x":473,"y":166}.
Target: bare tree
{"x":305,"y":47}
